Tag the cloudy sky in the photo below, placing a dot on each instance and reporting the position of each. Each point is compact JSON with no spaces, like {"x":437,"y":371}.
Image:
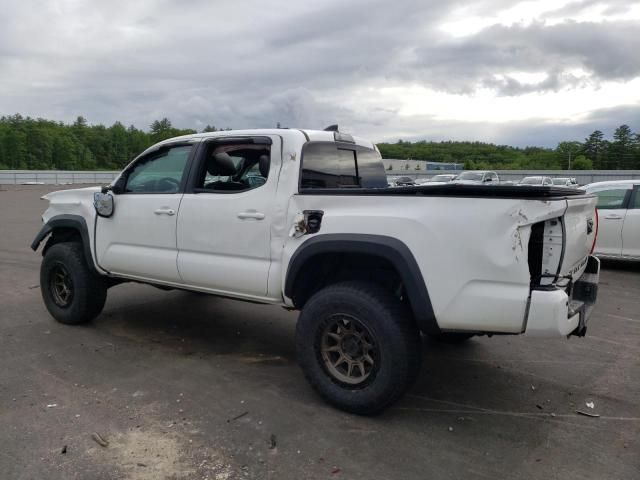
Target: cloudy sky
{"x":522,"y":73}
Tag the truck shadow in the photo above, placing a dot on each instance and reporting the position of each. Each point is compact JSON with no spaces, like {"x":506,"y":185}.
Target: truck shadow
{"x":499,"y":373}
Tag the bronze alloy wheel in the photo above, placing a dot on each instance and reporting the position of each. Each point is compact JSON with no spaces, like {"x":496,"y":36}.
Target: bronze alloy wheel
{"x":61,"y":286}
{"x":348,"y":350}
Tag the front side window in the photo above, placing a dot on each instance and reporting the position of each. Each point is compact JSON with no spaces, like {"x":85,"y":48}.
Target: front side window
{"x":327,"y":165}
{"x":160,"y":172}
{"x":612,"y":198}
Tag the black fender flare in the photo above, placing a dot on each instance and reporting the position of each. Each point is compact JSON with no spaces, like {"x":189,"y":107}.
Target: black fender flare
{"x":74,"y":222}
{"x":389,"y":248}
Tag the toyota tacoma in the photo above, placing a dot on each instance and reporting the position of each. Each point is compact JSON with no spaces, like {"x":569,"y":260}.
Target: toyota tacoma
{"x":305,"y":219}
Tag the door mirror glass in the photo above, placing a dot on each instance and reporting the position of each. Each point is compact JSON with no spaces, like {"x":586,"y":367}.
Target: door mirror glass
{"x":103,"y":203}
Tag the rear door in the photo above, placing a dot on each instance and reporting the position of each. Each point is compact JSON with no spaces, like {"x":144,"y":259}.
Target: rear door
{"x":631,"y":227}
{"x":612,"y":208}
{"x":224,"y":223}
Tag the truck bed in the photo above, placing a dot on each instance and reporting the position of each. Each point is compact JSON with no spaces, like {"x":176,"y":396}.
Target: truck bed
{"x":456,"y":190}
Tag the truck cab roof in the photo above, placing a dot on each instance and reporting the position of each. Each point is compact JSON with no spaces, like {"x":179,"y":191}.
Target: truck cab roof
{"x":304,"y":134}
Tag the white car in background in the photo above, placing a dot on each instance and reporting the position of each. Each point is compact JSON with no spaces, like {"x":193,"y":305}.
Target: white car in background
{"x":619,"y":218}
{"x":536,"y":180}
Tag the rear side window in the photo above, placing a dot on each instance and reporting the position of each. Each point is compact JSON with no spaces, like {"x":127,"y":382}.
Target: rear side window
{"x":329,"y":165}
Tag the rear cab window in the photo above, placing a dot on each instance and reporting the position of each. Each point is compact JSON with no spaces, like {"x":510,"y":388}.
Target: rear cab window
{"x":331,"y":165}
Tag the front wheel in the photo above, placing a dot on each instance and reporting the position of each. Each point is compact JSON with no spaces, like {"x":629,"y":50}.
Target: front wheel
{"x":358,"y":346}
{"x":72,"y":293}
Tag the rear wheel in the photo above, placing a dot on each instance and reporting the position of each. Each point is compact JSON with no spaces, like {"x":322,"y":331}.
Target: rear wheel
{"x":71,"y":292}
{"x":358,"y":346}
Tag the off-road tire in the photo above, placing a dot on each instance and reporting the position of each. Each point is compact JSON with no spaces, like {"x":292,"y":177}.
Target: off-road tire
{"x":88,"y":291}
{"x":390,"y":328}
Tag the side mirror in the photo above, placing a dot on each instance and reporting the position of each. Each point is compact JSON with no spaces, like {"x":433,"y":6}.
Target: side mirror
{"x":103,"y":203}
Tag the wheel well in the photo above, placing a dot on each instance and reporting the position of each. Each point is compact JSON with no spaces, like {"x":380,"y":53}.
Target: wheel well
{"x":324,"y":269}
{"x":62,"y":234}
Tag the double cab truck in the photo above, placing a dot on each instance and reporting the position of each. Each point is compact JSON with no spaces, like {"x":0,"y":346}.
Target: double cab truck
{"x":304,"y":219}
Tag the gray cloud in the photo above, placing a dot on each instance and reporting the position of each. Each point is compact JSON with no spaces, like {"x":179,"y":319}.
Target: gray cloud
{"x":252,"y":64}
{"x":603,"y":50}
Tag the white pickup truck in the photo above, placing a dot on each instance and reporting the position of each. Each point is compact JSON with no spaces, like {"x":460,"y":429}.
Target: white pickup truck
{"x":304,"y":219}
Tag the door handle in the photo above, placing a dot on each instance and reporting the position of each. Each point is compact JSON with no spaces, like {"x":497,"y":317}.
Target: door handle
{"x":613,"y":216}
{"x":165,"y":211}
{"x":251,"y":214}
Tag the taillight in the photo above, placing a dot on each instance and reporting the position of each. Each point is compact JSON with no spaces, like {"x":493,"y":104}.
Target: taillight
{"x":595,"y":235}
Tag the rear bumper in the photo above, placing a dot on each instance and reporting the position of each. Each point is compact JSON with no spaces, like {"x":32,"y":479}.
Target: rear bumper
{"x":555,"y":312}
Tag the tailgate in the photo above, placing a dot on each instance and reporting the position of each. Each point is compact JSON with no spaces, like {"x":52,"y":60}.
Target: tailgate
{"x":580,"y":229}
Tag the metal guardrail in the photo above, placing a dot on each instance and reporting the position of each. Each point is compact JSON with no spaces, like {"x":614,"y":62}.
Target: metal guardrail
{"x":62,"y":177}
{"x":583,"y":177}
{"x":55,"y":177}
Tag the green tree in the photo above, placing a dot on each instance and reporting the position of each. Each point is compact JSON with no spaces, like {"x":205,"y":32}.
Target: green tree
{"x":622,"y":148}
{"x":582,"y":163}
{"x":593,"y":147}
{"x":567,"y":151}
{"x":161,"y":129}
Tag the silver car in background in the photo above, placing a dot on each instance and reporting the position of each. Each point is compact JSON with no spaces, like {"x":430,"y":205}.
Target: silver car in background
{"x":478,"y":177}
{"x":540,"y":181}
{"x":439,"y":179}
{"x":565,"y":182}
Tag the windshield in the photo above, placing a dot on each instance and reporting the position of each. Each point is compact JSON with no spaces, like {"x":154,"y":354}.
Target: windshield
{"x":531,"y":181}
{"x":476,"y":177}
{"x":440,"y":178}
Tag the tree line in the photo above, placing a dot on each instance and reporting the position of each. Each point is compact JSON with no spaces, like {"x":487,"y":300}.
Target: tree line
{"x":28,"y":143}
{"x":595,"y":152}
{"x":38,"y":144}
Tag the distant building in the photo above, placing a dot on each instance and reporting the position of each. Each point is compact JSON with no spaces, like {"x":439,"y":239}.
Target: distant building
{"x":396,"y":165}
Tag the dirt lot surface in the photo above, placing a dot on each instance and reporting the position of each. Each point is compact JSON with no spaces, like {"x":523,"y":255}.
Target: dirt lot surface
{"x":185,"y":386}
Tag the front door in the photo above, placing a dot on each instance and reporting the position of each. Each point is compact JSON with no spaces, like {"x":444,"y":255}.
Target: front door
{"x":224,"y":234}
{"x":139,"y":239}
